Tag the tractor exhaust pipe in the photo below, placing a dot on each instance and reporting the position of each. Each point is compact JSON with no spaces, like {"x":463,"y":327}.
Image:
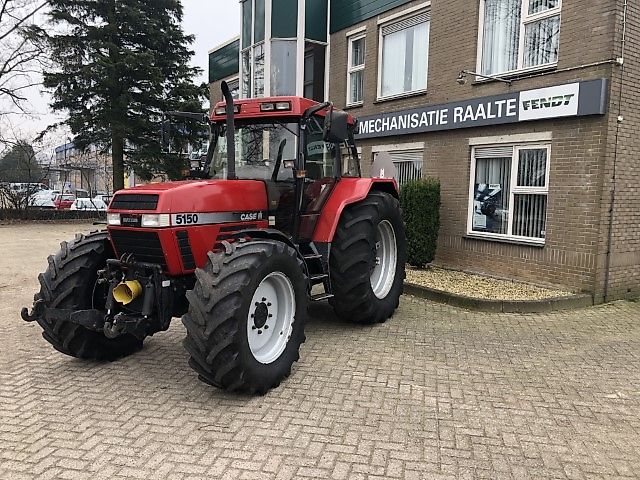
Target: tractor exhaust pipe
{"x":231,"y":132}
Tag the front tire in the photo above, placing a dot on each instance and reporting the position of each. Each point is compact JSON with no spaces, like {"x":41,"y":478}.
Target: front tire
{"x":246,"y":316}
{"x":70,"y":283}
{"x":368,"y":257}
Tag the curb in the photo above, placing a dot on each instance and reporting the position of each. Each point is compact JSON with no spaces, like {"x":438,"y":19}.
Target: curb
{"x":571,"y":302}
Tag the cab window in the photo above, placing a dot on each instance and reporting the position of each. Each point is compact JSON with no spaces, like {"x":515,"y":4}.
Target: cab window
{"x":261,"y":151}
{"x":320,"y":154}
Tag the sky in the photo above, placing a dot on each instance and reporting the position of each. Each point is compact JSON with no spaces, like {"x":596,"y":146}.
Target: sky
{"x":211,"y":21}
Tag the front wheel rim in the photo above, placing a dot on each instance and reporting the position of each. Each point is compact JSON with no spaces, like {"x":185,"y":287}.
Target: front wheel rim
{"x":386,"y":260}
{"x":271,"y":317}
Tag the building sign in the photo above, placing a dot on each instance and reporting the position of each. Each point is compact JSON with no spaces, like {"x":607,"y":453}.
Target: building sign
{"x":572,"y":100}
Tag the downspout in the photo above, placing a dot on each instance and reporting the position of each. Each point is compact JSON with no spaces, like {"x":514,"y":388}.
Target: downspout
{"x":620,"y":120}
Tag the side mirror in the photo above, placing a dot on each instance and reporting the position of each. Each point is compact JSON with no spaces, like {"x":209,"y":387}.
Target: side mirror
{"x":336,"y":126}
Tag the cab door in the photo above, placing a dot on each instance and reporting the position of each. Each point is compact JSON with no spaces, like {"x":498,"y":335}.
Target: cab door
{"x":282,"y":146}
{"x":322,"y":172}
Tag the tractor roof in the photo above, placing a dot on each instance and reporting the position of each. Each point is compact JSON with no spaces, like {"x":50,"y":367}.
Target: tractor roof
{"x":268,"y":107}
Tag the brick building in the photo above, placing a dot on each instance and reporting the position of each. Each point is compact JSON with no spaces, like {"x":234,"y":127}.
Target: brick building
{"x":73,"y":170}
{"x":528,"y":111}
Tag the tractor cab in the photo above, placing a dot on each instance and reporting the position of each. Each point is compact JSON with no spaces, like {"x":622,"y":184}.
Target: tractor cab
{"x":299,"y":148}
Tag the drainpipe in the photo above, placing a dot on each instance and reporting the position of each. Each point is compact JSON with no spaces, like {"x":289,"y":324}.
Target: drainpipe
{"x":620,"y":120}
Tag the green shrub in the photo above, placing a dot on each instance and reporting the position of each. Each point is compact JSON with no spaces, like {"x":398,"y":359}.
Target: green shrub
{"x":420,"y":201}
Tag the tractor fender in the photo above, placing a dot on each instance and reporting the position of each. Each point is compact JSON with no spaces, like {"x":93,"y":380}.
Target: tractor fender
{"x":346,"y":192}
{"x":270,"y":234}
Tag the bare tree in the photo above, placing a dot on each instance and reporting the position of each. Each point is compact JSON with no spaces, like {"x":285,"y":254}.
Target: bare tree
{"x":20,"y":54}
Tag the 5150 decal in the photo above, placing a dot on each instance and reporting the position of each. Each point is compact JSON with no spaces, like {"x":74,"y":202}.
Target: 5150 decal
{"x":186,"y":219}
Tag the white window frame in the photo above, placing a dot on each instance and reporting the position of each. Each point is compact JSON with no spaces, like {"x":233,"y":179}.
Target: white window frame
{"x":264,"y":68}
{"x":411,"y":12}
{"x":266,"y":51}
{"x":525,"y":19}
{"x":401,"y":147}
{"x":359,"y":68}
{"x":514,"y":190}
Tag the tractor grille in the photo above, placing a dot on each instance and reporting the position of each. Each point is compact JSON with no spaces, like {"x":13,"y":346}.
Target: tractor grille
{"x":131,"y":201}
{"x":145,"y":246}
{"x":185,"y":250}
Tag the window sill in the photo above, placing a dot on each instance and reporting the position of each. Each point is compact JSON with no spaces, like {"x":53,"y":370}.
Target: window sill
{"x":539,"y":243}
{"x":353,"y":106}
{"x":400,"y":96}
{"x":518,"y":74}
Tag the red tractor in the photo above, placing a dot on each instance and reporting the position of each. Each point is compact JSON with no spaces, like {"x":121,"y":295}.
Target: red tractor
{"x":280,"y":217}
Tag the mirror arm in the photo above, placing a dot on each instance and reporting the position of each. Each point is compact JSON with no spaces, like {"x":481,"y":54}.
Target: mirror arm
{"x":212,"y":145}
{"x":315,"y":109}
{"x":354,"y":148}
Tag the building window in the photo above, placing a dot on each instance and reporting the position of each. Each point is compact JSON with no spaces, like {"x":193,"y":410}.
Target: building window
{"x":404,"y":56}
{"x":355,"y":70}
{"x":258,"y":70}
{"x":314,"y":67}
{"x":508,"y":194}
{"x":519,"y":34}
{"x":283,"y":67}
{"x":252,"y":55}
{"x":234,"y":87}
{"x":408,"y":165}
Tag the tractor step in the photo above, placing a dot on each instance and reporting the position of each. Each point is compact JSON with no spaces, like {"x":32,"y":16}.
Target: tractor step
{"x":319,"y":278}
{"x":312,"y":256}
{"x":321,"y":296}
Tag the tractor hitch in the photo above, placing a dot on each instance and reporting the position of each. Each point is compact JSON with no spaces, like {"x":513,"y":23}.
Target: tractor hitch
{"x":91,"y":319}
{"x":36,"y":312}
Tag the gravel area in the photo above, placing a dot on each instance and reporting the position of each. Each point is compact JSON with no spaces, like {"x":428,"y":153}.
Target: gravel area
{"x":478,"y":286}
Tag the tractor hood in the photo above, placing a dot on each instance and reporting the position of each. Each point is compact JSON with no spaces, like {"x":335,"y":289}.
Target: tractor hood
{"x":194,"y":196}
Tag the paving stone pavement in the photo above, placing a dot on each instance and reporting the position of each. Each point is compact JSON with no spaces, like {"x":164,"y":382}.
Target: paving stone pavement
{"x":435,"y":393}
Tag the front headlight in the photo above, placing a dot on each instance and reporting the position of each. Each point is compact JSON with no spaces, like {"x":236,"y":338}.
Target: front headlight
{"x":156,"y":220}
{"x":113,"y":219}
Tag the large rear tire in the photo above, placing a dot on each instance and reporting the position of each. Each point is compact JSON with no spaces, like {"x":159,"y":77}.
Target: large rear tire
{"x":70,"y":283}
{"x":368,"y":257}
{"x":246,"y":316}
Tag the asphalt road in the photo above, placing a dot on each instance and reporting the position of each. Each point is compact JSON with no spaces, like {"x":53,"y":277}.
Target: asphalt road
{"x":433,"y":393}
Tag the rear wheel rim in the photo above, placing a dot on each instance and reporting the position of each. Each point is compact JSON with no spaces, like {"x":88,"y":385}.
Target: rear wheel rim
{"x":271,"y":316}
{"x":386,"y":260}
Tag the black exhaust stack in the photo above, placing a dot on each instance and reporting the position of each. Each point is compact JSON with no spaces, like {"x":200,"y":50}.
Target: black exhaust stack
{"x":231,"y":132}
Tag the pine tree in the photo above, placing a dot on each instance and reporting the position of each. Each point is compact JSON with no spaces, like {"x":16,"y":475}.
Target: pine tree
{"x":19,"y":164}
{"x":120,"y":65}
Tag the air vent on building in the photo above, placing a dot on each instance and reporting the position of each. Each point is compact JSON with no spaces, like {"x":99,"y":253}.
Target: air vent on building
{"x":406,"y":23}
{"x":494,"y":152}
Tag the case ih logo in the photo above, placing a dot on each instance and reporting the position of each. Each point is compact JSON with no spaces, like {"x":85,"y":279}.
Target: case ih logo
{"x":247,"y":217}
{"x":548,"y":102}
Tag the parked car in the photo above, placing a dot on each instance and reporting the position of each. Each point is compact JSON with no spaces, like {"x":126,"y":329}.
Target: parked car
{"x":27,"y":188}
{"x":89,"y":204}
{"x":80,"y":193}
{"x":106,"y":198}
{"x":42,"y":199}
{"x":64,"y":201}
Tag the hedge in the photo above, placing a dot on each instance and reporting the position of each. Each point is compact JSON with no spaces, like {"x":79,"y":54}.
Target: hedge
{"x":49,"y":214}
{"x":420,"y":201}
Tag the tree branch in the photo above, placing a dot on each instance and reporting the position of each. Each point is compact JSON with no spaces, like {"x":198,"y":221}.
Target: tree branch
{"x":22,"y":20}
